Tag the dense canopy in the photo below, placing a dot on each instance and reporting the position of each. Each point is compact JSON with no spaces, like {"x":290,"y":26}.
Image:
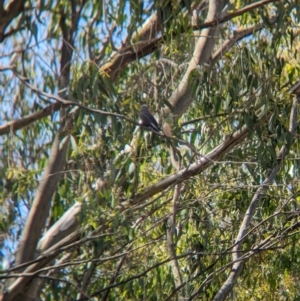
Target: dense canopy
{"x":95,"y":204}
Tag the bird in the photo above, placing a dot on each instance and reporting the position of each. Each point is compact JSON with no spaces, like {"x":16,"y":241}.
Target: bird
{"x":148,"y":120}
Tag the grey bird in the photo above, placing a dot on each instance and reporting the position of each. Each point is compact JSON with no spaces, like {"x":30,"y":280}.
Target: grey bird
{"x":148,"y":120}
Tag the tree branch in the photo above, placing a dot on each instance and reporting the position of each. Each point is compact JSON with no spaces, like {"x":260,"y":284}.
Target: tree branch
{"x":129,"y":53}
{"x":7,"y":15}
{"x":195,"y":168}
{"x":237,"y":13}
{"x":237,"y":267}
{"x":41,"y":204}
{"x":238,"y":35}
{"x":182,"y":96}
{"x":17,"y":124}
{"x":148,"y":30}
{"x":20,"y":283}
{"x":117,"y":272}
{"x":55,"y":165}
{"x":171,"y":245}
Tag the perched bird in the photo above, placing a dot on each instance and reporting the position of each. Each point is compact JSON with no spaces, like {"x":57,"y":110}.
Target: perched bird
{"x":148,"y":120}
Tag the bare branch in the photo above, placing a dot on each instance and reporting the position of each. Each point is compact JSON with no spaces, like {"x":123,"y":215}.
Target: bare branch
{"x":126,"y":55}
{"x":86,"y":279}
{"x":65,"y":244}
{"x":238,"y":35}
{"x":17,"y":124}
{"x":148,"y":30}
{"x":12,"y":31}
{"x":117,"y":271}
{"x":62,"y":100}
{"x":171,"y":244}
{"x":236,"y":13}
{"x":66,"y":225}
{"x":20,"y":283}
{"x":41,"y":204}
{"x":104,"y":43}
{"x":182,"y":97}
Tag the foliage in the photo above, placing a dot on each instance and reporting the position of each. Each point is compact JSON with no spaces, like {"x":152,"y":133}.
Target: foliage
{"x":73,"y":77}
